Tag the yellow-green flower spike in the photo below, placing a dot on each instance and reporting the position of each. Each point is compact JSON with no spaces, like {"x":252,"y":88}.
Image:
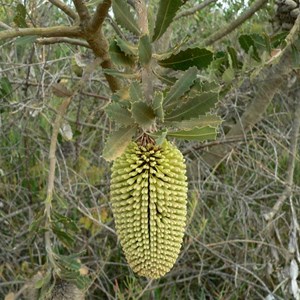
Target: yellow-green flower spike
{"x":148,"y":196}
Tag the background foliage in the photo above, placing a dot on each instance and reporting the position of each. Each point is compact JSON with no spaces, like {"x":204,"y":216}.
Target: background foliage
{"x":230,"y":250}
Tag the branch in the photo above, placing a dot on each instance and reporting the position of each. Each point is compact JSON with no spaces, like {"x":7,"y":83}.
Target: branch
{"x":99,"y":16}
{"x":235,"y":23}
{"x":194,"y":9}
{"x":5,"y":26}
{"x":291,"y":163}
{"x":81,"y":10}
{"x":55,"y":40}
{"x":56,"y":31}
{"x":65,"y":8}
{"x":266,"y":84}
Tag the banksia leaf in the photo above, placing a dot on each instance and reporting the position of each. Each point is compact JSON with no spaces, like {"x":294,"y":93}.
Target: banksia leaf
{"x":145,"y":51}
{"x":124,"y":17}
{"x":149,"y":195}
{"x":143,"y":114}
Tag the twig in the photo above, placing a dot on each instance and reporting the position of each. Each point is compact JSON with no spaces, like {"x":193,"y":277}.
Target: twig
{"x":55,"y":31}
{"x":99,"y":16}
{"x":291,"y":164}
{"x":194,"y":9}
{"x":5,"y":26}
{"x":56,"y":40}
{"x":82,"y":11}
{"x":235,"y":23}
{"x":52,"y":162}
{"x":266,"y":85}
{"x":65,"y":8}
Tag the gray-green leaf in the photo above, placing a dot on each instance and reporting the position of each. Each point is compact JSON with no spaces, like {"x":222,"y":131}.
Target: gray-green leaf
{"x":199,"y":57}
{"x":143,"y":114}
{"x":158,"y":106}
{"x":166,"y":12}
{"x":119,"y":114}
{"x":145,"y":51}
{"x":194,"y":107}
{"x":195,"y":134}
{"x":182,"y":85}
{"x":124,"y":17}
{"x":117,"y":142}
{"x":202,"y":121}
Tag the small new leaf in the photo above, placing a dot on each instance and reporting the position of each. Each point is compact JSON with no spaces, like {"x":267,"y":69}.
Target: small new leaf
{"x":194,"y":107}
{"x":166,"y":12}
{"x":145,"y":51}
{"x":117,"y":142}
{"x":198,"y":57}
{"x":195,"y":134}
{"x":158,"y":106}
{"x":142,"y":114}
{"x":124,"y":16}
{"x":182,"y":85}
{"x":119,"y":114}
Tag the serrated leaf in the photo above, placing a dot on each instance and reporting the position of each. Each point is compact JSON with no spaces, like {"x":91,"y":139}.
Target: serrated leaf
{"x":20,"y":16}
{"x":278,"y":39}
{"x":164,"y":78}
{"x":24,"y":40}
{"x":124,"y":17}
{"x":202,"y":121}
{"x":136,"y":92}
{"x":262,"y":41}
{"x":119,"y":74}
{"x":119,"y":114}
{"x":166,"y":12}
{"x":247,"y":43}
{"x":194,"y":107}
{"x":63,"y":236}
{"x":143,"y":114}
{"x":118,"y":56}
{"x":235,"y":63}
{"x":195,"y":134}
{"x":198,"y":57}
{"x":117,"y":142}
{"x":182,"y":85}
{"x":158,"y":106}
{"x":127,"y":47}
{"x":145,"y":52}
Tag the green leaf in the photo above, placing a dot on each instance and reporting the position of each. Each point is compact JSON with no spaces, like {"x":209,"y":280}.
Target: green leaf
{"x":143,"y":114}
{"x":5,"y":87}
{"x":182,"y":85}
{"x":145,"y":51}
{"x":247,"y":43}
{"x":63,"y":236}
{"x":20,"y":16}
{"x":198,"y":57}
{"x":166,"y":13}
{"x":136,"y":92}
{"x":235,"y":63}
{"x":119,"y":114}
{"x":119,"y":74}
{"x":194,"y":107}
{"x":44,"y":280}
{"x":24,"y":40}
{"x":161,"y":137}
{"x":228,"y":75}
{"x":124,"y":16}
{"x":126,"y":47}
{"x":262,"y":41}
{"x":158,"y":106}
{"x":278,"y":39}
{"x":195,"y":134}
{"x":117,"y":142}
{"x":118,"y":56}
{"x":202,"y":121}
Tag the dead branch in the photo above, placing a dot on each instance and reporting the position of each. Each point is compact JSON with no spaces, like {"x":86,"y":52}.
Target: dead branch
{"x":58,"y":40}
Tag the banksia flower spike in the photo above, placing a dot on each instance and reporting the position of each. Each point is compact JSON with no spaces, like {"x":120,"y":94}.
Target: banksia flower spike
{"x":148,"y":195}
